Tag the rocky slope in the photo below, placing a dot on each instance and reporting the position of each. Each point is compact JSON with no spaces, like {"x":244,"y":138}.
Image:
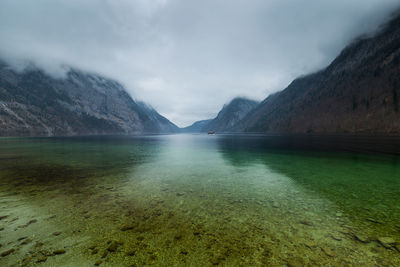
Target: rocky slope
{"x":35,"y":104}
{"x":230,"y":114}
{"x":196,"y":127}
{"x":357,"y":93}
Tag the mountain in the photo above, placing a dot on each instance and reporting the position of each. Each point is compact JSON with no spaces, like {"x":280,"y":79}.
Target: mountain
{"x":153,"y":122}
{"x":357,"y":93}
{"x":196,"y":127}
{"x":33,"y":103}
{"x":229,"y":115}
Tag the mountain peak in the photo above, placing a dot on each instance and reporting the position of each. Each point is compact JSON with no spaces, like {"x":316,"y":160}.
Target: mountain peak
{"x":229,"y":115}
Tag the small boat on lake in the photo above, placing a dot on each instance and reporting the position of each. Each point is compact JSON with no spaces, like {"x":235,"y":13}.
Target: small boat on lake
{"x":211,"y":133}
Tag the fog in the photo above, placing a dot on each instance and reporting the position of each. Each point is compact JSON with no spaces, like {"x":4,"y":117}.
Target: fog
{"x":186,"y":58}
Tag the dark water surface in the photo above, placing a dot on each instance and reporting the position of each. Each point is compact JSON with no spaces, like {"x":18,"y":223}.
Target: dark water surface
{"x":197,"y":200}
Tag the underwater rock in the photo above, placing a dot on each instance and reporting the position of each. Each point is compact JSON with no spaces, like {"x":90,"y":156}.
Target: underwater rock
{"x":26,"y":241}
{"x":336,"y":237}
{"x":373,"y":220}
{"x":387,"y":242}
{"x":127,"y":227}
{"x":95,"y":251}
{"x":56,"y":233}
{"x":152,"y":255}
{"x":274,"y":204}
{"x":346,"y":231}
{"x":216,"y":260}
{"x":7,"y":252}
{"x":22,"y":238}
{"x":31,"y":221}
{"x":131,"y":253}
{"x":361,"y":238}
{"x":28,"y":223}
{"x":178,"y":237}
{"x":1,"y":228}
{"x":38,"y":244}
{"x":59,"y":251}
{"x":27,"y":261}
{"x":307,"y":223}
{"x":42,"y":259}
{"x":295,"y":262}
{"x":113,"y":246}
{"x":98,"y":262}
{"x":4,"y":217}
{"x":105,"y":253}
{"x":157,"y":213}
{"x":180,"y":194}
{"x":310,"y":244}
{"x":329,"y":252}
{"x":46,"y":253}
{"x":196,"y":233}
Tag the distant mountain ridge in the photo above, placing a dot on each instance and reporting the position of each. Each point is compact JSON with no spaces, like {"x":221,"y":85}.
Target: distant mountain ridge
{"x":358,"y":93}
{"x":34,"y":104}
{"x":229,"y":115}
{"x":196,"y":127}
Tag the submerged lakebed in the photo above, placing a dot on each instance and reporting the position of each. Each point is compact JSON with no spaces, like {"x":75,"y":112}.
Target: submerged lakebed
{"x":198,"y":200}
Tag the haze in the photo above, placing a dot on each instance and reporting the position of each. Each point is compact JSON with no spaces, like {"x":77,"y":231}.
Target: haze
{"x":186,"y":58}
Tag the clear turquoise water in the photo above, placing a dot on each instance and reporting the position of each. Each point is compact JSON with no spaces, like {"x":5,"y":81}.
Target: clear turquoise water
{"x":201,"y":200}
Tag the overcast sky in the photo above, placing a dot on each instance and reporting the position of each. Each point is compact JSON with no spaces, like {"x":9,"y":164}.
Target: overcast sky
{"x":187,"y":58}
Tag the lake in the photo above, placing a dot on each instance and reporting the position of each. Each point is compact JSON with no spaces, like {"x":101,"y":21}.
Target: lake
{"x":199,"y":200}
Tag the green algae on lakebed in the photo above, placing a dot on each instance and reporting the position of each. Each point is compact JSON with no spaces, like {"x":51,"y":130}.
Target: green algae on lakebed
{"x":197,"y":200}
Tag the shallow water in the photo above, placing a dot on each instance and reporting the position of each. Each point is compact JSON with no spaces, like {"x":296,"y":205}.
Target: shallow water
{"x":197,"y":200}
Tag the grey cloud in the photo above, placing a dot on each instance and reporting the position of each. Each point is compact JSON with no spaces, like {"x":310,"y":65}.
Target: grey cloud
{"x":187,"y":58}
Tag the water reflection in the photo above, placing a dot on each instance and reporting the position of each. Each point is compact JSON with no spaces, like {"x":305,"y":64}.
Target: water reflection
{"x":183,"y":199}
{"x":366,"y":187}
{"x":71,"y":162}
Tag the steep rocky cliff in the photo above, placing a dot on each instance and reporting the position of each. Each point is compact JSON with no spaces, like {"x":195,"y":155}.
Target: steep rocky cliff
{"x":357,"y":93}
{"x":35,"y":104}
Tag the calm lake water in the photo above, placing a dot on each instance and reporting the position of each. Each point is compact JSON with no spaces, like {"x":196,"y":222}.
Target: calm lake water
{"x":198,"y":200}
